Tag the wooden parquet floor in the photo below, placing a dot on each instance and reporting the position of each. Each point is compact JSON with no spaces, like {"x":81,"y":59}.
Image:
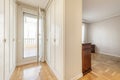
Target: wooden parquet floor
{"x":103,"y":68}
{"x":34,"y":71}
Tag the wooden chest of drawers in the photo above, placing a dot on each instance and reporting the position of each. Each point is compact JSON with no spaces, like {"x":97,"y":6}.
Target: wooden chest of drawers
{"x":86,"y":58}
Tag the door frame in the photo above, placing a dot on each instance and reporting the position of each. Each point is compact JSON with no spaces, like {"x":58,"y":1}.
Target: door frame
{"x":20,"y":47}
{"x":35,"y":35}
{"x":30,"y":59}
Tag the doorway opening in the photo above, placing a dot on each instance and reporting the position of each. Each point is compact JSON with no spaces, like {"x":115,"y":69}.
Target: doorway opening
{"x":30,"y":35}
{"x":102,"y":44}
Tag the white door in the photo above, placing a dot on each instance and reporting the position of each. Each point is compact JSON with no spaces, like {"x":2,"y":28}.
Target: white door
{"x":52,"y":34}
{"x":1,"y":39}
{"x":11,"y":61}
{"x":7,"y":37}
{"x":29,"y":37}
{"x":27,"y":32}
{"x":12,"y":34}
{"x":48,"y":36}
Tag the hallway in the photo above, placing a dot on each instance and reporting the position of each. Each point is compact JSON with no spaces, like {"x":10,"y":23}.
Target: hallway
{"x":34,"y":31}
{"x":34,"y":71}
{"x":54,"y":39}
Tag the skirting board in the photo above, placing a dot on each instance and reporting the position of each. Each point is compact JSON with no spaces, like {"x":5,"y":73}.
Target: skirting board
{"x":23,"y":63}
{"x":12,"y":72}
{"x":55,"y":73}
{"x":99,"y":52}
{"x":77,"y":76}
{"x":58,"y":76}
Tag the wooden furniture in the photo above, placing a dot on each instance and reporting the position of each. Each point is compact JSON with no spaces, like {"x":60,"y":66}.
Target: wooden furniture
{"x":92,"y":48}
{"x":86,"y":58}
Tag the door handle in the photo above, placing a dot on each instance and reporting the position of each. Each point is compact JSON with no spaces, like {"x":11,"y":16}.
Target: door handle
{"x":54,"y":40}
{"x":13,"y":39}
{"x":4,"y":40}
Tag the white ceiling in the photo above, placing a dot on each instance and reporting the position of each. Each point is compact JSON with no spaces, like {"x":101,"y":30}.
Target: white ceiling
{"x":97,"y":10}
{"x":35,"y":3}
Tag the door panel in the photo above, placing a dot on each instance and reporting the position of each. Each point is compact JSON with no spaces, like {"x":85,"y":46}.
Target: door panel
{"x":1,"y":39}
{"x":6,"y":35}
{"x":21,"y":57}
{"x":30,"y":36}
{"x":14,"y":35}
{"x":48,"y":36}
{"x":7,"y":43}
{"x":11,"y":35}
{"x":58,"y":37}
{"x":52,"y":34}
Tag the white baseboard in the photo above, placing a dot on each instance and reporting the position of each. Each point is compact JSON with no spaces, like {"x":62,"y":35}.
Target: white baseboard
{"x":105,"y":53}
{"x":77,"y":76}
{"x":55,"y":72}
{"x":11,"y":73}
{"x":27,"y":62}
{"x":62,"y":78}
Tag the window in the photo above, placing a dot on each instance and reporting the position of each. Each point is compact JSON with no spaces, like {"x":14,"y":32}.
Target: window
{"x":30,"y":35}
{"x":83,"y":33}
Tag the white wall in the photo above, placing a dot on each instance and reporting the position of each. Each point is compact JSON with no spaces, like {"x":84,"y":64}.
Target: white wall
{"x":63,"y":38}
{"x":106,"y":36}
{"x":7,"y":38}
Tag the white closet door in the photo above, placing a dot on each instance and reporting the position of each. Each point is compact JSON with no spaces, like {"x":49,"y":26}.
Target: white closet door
{"x":48,"y":36}
{"x":14,"y":34}
{"x":52,"y":34}
{"x":7,"y":56}
{"x":58,"y":33}
{"x":1,"y":39}
{"x":11,"y":36}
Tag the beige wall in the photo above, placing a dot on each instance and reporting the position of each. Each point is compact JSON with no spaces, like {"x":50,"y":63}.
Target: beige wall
{"x":106,"y":36}
{"x":73,"y":39}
